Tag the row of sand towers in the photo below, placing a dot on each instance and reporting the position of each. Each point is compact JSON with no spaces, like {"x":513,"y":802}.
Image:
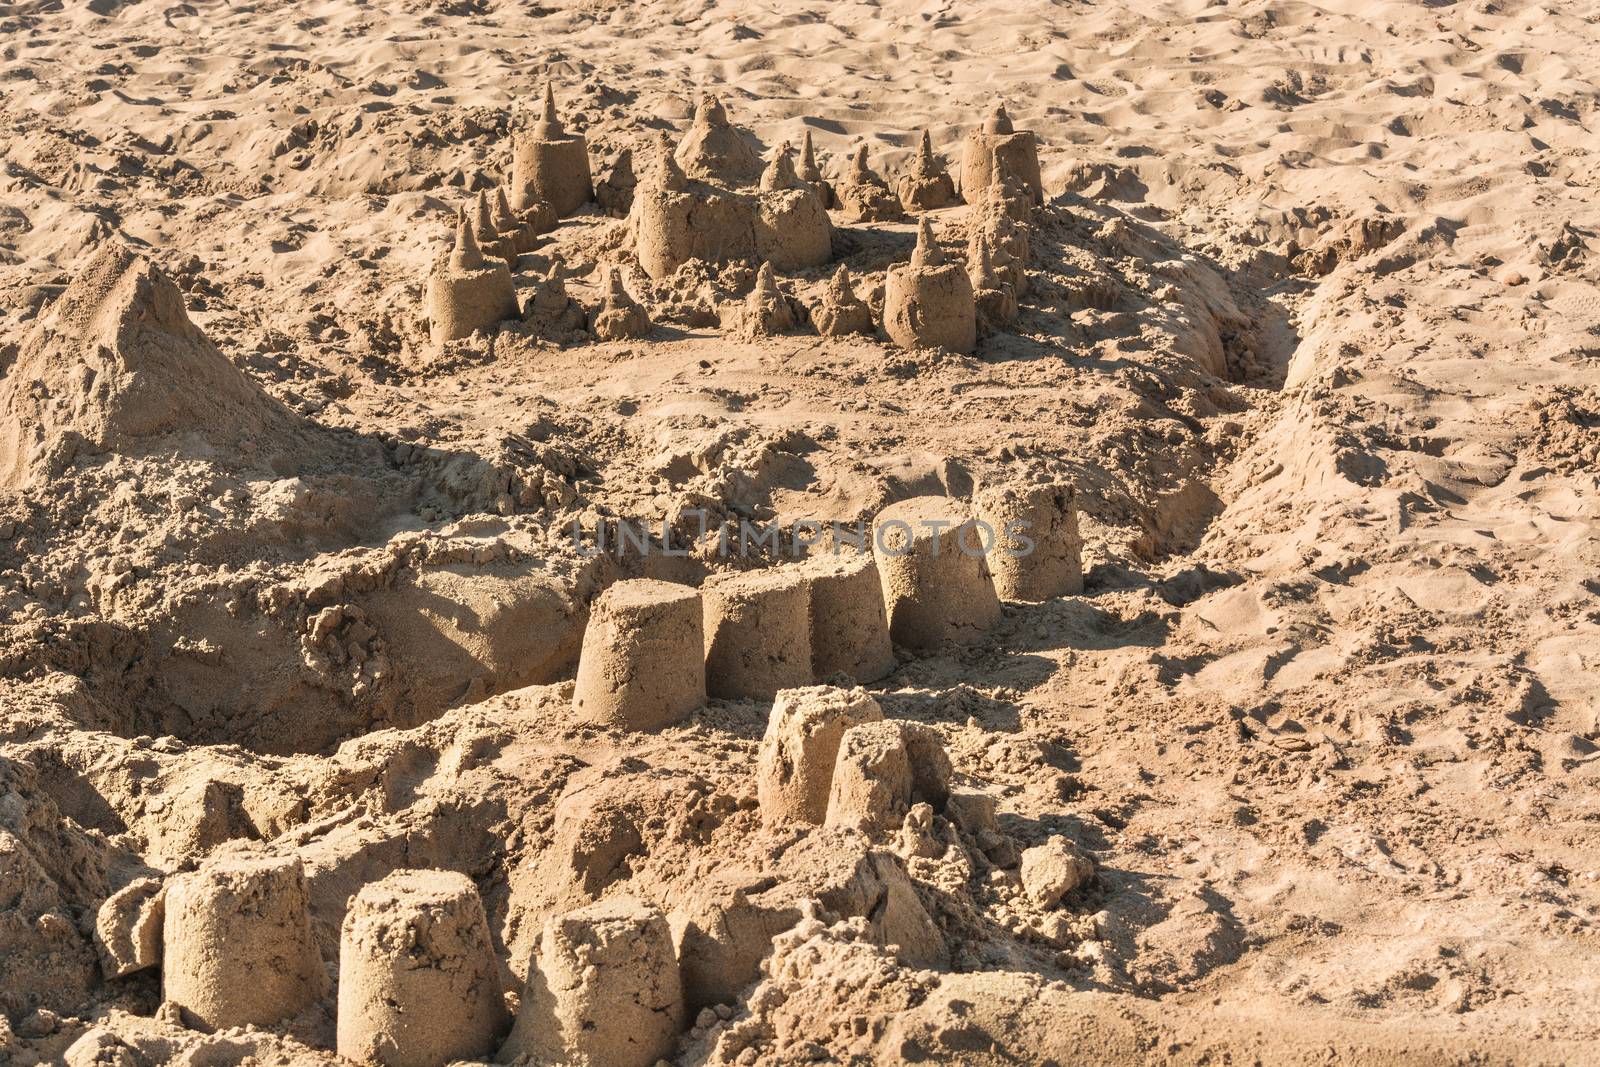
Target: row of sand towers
{"x":419,"y":983}
{"x":711,"y":199}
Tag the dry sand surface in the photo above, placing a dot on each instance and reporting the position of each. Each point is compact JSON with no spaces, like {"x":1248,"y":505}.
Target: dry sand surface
{"x":1303,"y":329}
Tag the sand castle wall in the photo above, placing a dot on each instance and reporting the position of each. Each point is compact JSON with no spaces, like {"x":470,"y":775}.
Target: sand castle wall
{"x":788,"y":228}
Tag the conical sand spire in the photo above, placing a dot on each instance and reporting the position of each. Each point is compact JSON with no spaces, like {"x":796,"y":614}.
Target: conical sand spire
{"x":925,"y":152}
{"x":766,"y":284}
{"x":668,"y":175}
{"x":859,"y":171}
{"x":780,"y":173}
{"x":467,"y":255}
{"x":928,"y":253}
{"x":808,"y":159}
{"x":549,"y":125}
{"x":711,"y":112}
{"x":841,"y":279}
{"x":999,"y":121}
{"x":504,"y":221}
{"x":616,"y":292}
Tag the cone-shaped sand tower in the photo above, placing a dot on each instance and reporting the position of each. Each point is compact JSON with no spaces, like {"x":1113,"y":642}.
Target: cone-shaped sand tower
{"x":715,"y":150}
{"x":864,"y":196}
{"x":518,"y":232}
{"x":467,"y":292}
{"x":619,"y":316}
{"x":486,"y":230}
{"x":550,"y":164}
{"x":995,"y":298}
{"x":811,"y":174}
{"x":767,"y":311}
{"x":926,"y":185}
{"x":780,"y":173}
{"x":929,"y":303}
{"x":995,"y":146}
{"x":841,"y":311}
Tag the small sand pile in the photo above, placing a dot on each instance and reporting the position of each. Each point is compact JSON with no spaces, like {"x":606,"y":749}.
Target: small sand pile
{"x":768,"y":310}
{"x":840,"y":311}
{"x":926,"y":185}
{"x":618,"y":316}
{"x":864,"y":196}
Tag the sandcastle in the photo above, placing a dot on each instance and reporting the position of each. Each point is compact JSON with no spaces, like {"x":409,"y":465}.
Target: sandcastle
{"x":882,"y":769}
{"x":929,"y":303}
{"x":237,"y":948}
{"x":519,"y":232}
{"x":936,"y":582}
{"x":550,"y":310}
{"x":603,"y":991}
{"x":849,"y":625}
{"x":618,"y":316}
{"x":549,"y":164}
{"x":992,"y":292}
{"x":841,"y":312}
{"x":865,"y":197}
{"x":642,"y":666}
{"x":767,"y":310}
{"x":926,"y":185}
{"x":467,"y":292}
{"x":1038,"y":551}
{"x":675,"y":219}
{"x":758,"y":632}
{"x":419,"y":984}
{"x":715,"y":150}
{"x":794,"y":774}
{"x":995,"y":146}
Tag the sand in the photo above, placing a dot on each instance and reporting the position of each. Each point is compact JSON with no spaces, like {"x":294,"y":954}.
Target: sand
{"x":1305,"y":316}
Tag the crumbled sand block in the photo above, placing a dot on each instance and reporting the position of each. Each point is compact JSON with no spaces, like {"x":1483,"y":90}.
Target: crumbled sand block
{"x":419,"y":984}
{"x":643,"y":661}
{"x":811,"y":174}
{"x":998,"y":145}
{"x":236,"y":940}
{"x":926,"y":185}
{"x":929,"y":303}
{"x":767,"y":311}
{"x":715,"y":150}
{"x":1039,"y":551}
{"x":882,"y":769}
{"x":1052,"y":870}
{"x":127,"y":928}
{"x":758,"y":633}
{"x":794,"y":773}
{"x":992,"y":292}
{"x":604,"y":989}
{"x":864,"y":196}
{"x":550,"y":164}
{"x":618,"y":316}
{"x":841,"y":311}
{"x":936,"y":581}
{"x":849,"y":624}
{"x":467,"y":292}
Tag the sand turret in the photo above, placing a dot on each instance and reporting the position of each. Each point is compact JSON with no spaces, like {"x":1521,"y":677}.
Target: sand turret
{"x":849,"y":625}
{"x":486,"y":230}
{"x":467,"y":292}
{"x":934,"y":569}
{"x":864,"y":196}
{"x":237,"y":947}
{"x":929,"y":302}
{"x":618,"y":316}
{"x":715,"y":150}
{"x":996,"y":300}
{"x":548,"y":163}
{"x":758,"y":633}
{"x":643,"y":660}
{"x":1038,"y":550}
{"x":811,"y":174}
{"x":795,"y":768}
{"x":767,"y":310}
{"x":841,"y":311}
{"x":926,"y":185}
{"x":780,"y":173}
{"x":418,"y":981}
{"x":995,"y":146}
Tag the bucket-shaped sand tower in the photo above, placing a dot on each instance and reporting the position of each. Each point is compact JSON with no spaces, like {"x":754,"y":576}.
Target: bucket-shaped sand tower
{"x":550,"y":164}
{"x":468,"y":292}
{"x":419,"y":984}
{"x":996,"y":147}
{"x":1038,"y":551}
{"x":849,"y":625}
{"x":929,"y":302}
{"x":643,"y":661}
{"x":794,"y":772}
{"x":934,"y":571}
{"x":236,"y":940}
{"x":758,"y":632}
{"x":603,"y":990}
